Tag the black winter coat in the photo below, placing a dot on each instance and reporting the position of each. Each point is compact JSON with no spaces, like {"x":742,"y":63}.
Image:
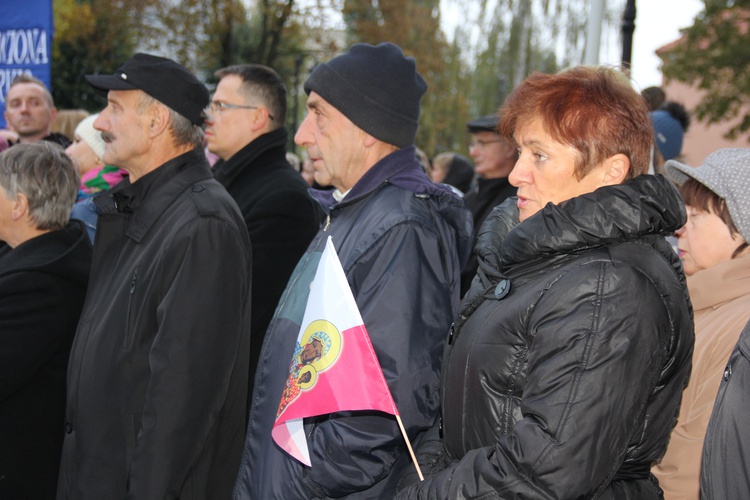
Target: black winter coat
{"x":157,"y":382}
{"x":281,"y":220}
{"x":566,"y":366}
{"x":42,"y":288}
{"x":725,"y":470}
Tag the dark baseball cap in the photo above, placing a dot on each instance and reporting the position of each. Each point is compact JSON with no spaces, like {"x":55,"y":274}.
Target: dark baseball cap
{"x":163,"y":79}
{"x":487,"y":123}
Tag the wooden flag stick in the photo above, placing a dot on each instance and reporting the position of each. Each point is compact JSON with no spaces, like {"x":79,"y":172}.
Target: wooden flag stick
{"x":408,"y":445}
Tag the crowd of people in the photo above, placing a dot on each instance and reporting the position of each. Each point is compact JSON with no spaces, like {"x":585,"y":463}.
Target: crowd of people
{"x":560,"y":314}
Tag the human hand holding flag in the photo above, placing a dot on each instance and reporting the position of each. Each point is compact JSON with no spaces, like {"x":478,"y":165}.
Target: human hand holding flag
{"x":334,"y":366}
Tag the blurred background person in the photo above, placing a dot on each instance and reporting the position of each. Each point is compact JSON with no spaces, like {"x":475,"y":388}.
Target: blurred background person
{"x":67,"y":120}
{"x":424,"y":160}
{"x":44,"y":269}
{"x":87,"y":150}
{"x":30,"y":111}
{"x":654,"y":97}
{"x":714,"y":251}
{"x":559,"y":381}
{"x":494,"y":158}
{"x":670,"y":122}
{"x":293,"y":160}
{"x":307,"y":171}
{"x":452,"y":169}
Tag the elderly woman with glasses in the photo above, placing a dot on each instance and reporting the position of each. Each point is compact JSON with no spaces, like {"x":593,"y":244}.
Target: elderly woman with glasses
{"x":716,"y":257}
{"x":44,"y":269}
{"x":566,"y":364}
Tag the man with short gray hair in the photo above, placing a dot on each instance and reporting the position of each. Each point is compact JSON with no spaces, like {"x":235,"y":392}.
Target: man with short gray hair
{"x":157,"y":382}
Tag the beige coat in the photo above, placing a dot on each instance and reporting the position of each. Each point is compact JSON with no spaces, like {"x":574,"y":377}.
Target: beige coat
{"x":721,"y":301}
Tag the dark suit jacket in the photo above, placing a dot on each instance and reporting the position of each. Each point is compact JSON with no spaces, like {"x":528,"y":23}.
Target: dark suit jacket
{"x":281,"y":220}
{"x":42,"y":287}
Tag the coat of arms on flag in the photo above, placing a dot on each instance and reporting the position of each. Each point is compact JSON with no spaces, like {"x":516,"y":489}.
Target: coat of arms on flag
{"x":334,"y":366}
{"x":317,"y":349}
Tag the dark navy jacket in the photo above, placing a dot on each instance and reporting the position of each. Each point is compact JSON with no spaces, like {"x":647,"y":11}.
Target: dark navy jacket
{"x":402,"y":241}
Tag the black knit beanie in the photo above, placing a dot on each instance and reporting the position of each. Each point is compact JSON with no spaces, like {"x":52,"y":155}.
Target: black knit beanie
{"x":377,"y":88}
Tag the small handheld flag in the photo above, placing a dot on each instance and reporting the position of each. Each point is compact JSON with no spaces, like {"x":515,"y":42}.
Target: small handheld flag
{"x":334,"y":366}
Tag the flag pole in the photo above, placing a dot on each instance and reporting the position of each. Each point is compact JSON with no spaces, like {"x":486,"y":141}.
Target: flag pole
{"x":408,"y":445}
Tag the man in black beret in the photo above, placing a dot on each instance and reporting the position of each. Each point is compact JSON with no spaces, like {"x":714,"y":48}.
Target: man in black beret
{"x":157,"y":380}
{"x":402,"y":241}
{"x":494,"y":158}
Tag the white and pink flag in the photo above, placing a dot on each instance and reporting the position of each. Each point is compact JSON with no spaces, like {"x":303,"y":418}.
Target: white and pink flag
{"x":334,"y":367}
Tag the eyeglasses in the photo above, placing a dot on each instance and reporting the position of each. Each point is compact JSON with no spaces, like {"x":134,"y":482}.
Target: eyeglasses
{"x":481,"y":145}
{"x":218,"y":107}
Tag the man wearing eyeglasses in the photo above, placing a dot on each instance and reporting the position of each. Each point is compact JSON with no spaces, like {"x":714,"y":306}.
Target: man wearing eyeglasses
{"x":494,"y":159}
{"x":245,"y":129}
{"x":157,"y":379}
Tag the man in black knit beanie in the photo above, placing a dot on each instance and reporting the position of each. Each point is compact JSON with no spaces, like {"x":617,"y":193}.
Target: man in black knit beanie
{"x":402,"y":241}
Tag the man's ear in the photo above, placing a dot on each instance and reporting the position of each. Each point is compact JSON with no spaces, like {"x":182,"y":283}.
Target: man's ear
{"x":158,"y":120}
{"x":616,"y":169}
{"x":368,"y":140}
{"x":260,"y":119}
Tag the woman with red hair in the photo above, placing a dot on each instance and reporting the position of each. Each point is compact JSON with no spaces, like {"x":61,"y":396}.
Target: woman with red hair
{"x":566,"y":364}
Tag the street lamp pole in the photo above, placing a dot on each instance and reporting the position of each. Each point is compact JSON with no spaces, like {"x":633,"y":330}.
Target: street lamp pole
{"x":628,"y":26}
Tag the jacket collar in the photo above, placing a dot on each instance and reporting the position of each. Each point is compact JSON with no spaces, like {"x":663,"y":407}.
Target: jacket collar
{"x":720,"y":283}
{"x":48,"y":250}
{"x":400,"y":168}
{"x":227,"y":171}
{"x":152,"y":194}
{"x":646,"y":205}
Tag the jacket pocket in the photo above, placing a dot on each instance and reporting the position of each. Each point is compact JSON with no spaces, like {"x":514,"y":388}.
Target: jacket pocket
{"x":130,"y":318}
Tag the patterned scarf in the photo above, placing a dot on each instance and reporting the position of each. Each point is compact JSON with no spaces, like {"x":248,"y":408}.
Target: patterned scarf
{"x":99,"y":179}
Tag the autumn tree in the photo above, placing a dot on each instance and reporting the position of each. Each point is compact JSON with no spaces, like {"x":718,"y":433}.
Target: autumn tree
{"x":90,"y":37}
{"x":207,"y":35}
{"x":714,"y":56}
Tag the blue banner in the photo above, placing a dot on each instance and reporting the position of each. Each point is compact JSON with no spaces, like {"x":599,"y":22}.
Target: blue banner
{"x":26,"y":30}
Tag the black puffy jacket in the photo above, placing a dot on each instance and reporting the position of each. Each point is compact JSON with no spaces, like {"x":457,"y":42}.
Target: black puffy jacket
{"x":566,"y":366}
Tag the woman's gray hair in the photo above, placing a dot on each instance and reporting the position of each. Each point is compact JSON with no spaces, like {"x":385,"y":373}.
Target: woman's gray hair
{"x":182,"y":129}
{"x":48,"y":178}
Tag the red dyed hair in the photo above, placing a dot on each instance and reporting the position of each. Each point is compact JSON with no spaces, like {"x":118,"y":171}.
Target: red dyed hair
{"x":595,"y":110}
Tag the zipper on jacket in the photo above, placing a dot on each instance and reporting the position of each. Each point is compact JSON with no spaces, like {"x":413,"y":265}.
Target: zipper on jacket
{"x":129,"y":320}
{"x":328,"y":223}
